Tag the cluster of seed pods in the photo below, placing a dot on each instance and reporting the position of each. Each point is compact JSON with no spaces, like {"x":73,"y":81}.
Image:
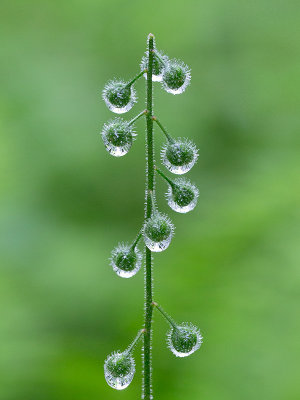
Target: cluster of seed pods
{"x":178,"y":156}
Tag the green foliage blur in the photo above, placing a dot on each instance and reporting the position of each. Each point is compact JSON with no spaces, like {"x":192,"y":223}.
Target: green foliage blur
{"x":233,"y":266}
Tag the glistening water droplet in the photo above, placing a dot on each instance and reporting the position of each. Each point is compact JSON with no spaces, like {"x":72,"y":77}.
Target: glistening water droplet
{"x":159,"y":64}
{"x":125,"y":260}
{"x":179,"y":156}
{"x":182,"y":196}
{"x":117,"y":137}
{"x":119,"y":369}
{"x":158,"y":232}
{"x":184,"y":340}
{"x":118,"y":96}
{"x":176,"y":77}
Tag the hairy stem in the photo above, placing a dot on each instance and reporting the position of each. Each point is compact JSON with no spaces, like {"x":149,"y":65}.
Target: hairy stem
{"x":137,"y":338}
{"x":150,"y":185}
{"x":144,"y":112}
{"x":170,"y":139}
{"x":135,"y":78}
{"x":165,"y":177}
{"x":166,"y":316}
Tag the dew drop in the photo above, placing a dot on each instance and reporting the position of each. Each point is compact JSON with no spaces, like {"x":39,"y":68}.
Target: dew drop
{"x":117,"y":136}
{"x":126,"y":262}
{"x":179,"y":156}
{"x":119,"y":370}
{"x":176,"y":77}
{"x":119,"y":97}
{"x":158,"y":232}
{"x":158,"y":66}
{"x":184,"y":340}
{"x":183,"y":196}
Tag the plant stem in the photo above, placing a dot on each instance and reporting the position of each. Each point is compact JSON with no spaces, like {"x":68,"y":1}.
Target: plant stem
{"x":136,"y":241}
{"x":165,"y":177}
{"x":131,"y":347}
{"x":144,"y":112}
{"x":135,"y":78}
{"x":167,"y":317}
{"x":156,"y":53}
{"x":150,"y":185}
{"x":170,"y":139}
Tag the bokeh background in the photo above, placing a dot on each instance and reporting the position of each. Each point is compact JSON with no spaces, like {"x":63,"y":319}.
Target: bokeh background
{"x":233,"y":266}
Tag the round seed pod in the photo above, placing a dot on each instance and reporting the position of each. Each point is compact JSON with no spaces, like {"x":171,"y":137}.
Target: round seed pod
{"x":182,"y":196}
{"x":176,"y":77}
{"x":179,"y":156}
{"x":125,"y":260}
{"x":118,"y":96}
{"x":117,"y":136}
{"x":119,"y":369}
{"x":158,"y":66}
{"x":158,"y":232}
{"x":184,"y":340}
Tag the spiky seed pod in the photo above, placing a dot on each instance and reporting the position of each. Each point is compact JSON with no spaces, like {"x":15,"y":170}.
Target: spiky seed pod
{"x":118,"y":96}
{"x":119,"y":369}
{"x":179,"y":156}
{"x":118,"y":136}
{"x":159,"y":64}
{"x":184,"y":340}
{"x":182,"y":196}
{"x":158,"y":232}
{"x":176,"y":77}
{"x":125,"y":260}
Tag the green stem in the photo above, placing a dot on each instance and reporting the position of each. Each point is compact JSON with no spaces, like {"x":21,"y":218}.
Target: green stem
{"x":170,"y":139}
{"x":166,"y":316}
{"x":152,"y":201}
{"x":172,"y":184}
{"x":144,"y":112}
{"x":135,"y":78}
{"x":136,"y":241}
{"x":137,"y":338}
{"x":150,"y":185}
{"x":159,"y":57}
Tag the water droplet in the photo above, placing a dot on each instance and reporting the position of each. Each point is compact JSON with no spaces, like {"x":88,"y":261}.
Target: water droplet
{"x":158,"y":232}
{"x":176,"y":77}
{"x":179,"y":156}
{"x":183,"y":196}
{"x":119,"y":97}
{"x":126,"y":262}
{"x":184,"y":340}
{"x":158,"y":66}
{"x":119,"y":370}
{"x":117,"y":137}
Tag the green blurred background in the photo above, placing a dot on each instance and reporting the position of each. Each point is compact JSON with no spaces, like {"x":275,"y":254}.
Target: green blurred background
{"x":233,"y":266}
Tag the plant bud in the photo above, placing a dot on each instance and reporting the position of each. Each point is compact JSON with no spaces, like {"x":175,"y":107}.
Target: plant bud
{"x":182,"y":196}
{"x":119,"y":97}
{"x":119,"y":369}
{"x":184,"y":340}
{"x":125,"y":260}
{"x":157,"y":68}
{"x":176,"y":77}
{"x":158,"y":232}
{"x":179,"y":156}
{"x":117,"y":137}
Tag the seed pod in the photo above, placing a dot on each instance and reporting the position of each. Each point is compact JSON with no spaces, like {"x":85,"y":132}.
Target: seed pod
{"x":184,"y":340}
{"x":119,"y":96}
{"x":176,"y":77}
{"x":158,"y":232}
{"x":182,"y":196}
{"x":117,"y":137}
{"x":179,"y":155}
{"x":126,"y":260}
{"x":159,"y":63}
{"x":119,"y":369}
